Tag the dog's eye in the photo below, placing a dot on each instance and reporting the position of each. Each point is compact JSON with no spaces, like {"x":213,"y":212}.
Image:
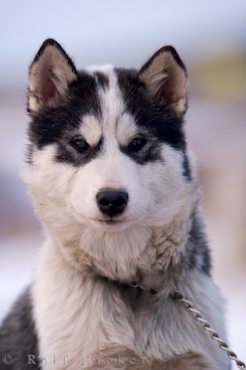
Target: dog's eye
{"x":79,"y":144}
{"x":137,"y":144}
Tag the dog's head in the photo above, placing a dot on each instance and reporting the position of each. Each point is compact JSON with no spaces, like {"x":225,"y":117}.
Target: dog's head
{"x":107,"y":146}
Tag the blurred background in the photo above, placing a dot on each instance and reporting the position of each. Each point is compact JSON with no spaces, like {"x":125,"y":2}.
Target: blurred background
{"x":211,"y":38}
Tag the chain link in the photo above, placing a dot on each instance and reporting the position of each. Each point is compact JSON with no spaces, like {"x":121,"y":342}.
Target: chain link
{"x":198,"y":316}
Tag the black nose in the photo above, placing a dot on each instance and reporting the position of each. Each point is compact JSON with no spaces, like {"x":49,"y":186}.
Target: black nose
{"x":112,"y":202}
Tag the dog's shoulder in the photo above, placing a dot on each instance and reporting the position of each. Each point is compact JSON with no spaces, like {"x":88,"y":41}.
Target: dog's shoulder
{"x":18,"y":338}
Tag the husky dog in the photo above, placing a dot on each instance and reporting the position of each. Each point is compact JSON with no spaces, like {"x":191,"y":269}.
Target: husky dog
{"x":113,"y":184}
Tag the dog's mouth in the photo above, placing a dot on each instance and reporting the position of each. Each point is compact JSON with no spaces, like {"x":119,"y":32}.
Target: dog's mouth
{"x":110,"y":224}
{"x":104,"y":223}
{"x":109,"y":221}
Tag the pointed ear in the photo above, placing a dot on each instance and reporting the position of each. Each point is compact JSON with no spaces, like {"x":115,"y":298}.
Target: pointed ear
{"x":165,"y":77}
{"x":49,"y":76}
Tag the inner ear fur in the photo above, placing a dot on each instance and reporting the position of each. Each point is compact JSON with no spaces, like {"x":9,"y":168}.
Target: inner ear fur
{"x":165,"y":77}
{"x":50,"y":73}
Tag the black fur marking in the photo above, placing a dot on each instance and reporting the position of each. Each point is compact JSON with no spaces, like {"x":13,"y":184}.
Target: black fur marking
{"x":68,"y":154}
{"x":197,"y":251}
{"x":60,"y":123}
{"x":160,"y":123}
{"x":102,"y":80}
{"x":149,"y":153}
{"x":18,"y":336}
{"x":186,"y":167}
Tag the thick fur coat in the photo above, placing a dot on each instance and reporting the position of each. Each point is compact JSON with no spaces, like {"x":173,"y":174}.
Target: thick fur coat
{"x":113,"y":183}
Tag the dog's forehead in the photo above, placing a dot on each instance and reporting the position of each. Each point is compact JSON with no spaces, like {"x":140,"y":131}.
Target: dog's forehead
{"x":115,"y":118}
{"x":110,"y":96}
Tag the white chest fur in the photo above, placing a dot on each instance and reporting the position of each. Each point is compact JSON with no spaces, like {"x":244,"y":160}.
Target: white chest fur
{"x":76,"y":315}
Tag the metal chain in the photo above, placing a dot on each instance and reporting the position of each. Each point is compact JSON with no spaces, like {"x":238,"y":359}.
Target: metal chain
{"x":198,"y":316}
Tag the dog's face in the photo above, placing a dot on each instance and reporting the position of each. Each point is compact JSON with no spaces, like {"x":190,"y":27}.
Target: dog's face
{"x":107,"y":148}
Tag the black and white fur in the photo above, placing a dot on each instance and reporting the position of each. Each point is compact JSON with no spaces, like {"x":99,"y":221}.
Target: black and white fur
{"x":122,"y":130}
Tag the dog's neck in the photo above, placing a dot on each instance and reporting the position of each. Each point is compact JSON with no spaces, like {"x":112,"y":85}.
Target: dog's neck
{"x":150,"y":256}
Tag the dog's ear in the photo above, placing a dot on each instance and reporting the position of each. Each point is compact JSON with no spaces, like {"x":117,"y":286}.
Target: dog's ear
{"x":165,"y":77}
{"x":49,"y":76}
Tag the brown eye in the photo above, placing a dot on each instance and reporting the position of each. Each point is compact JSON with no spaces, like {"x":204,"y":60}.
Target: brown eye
{"x":137,"y":144}
{"x":79,"y":144}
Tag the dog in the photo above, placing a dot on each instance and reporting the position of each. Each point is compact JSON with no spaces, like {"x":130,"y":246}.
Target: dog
{"x":114,"y":184}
